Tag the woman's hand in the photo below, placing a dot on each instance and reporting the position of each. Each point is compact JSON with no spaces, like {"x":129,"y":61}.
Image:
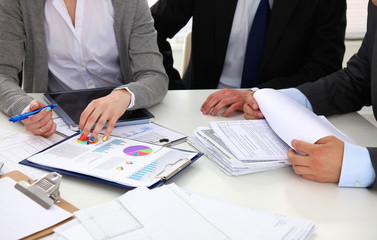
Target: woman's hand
{"x":106,"y":109}
{"x":41,"y":123}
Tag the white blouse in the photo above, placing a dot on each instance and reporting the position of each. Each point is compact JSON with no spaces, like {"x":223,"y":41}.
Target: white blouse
{"x":85,"y":55}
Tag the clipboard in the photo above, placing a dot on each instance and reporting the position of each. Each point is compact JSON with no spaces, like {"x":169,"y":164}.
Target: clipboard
{"x":163,"y":177}
{"x":18,"y":176}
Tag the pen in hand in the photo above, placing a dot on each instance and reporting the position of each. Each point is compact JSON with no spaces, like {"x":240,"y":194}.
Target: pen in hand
{"x":24,"y":116}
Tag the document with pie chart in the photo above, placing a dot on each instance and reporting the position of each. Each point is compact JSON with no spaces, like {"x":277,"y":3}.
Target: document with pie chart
{"x":118,"y":160}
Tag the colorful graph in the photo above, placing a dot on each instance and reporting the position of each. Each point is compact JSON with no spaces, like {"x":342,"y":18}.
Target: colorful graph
{"x":109,"y":145}
{"x":144,"y":172}
{"x":138,"y":150}
{"x":86,"y":141}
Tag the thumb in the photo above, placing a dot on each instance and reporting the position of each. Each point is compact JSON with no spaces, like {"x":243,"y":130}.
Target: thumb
{"x":252,"y":102}
{"x":35,"y":104}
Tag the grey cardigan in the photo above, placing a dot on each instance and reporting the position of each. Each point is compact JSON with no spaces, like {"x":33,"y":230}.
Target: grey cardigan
{"x":23,"y":42}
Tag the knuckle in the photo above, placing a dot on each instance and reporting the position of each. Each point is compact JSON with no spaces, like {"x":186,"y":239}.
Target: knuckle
{"x":83,"y":115}
{"x":92,"y":119}
{"x":217,"y":98}
{"x":331,"y":137}
{"x":101,"y":122}
{"x":298,"y":145}
{"x":43,"y":122}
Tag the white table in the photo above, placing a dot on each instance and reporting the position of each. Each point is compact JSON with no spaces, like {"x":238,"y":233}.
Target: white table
{"x":339,"y":213}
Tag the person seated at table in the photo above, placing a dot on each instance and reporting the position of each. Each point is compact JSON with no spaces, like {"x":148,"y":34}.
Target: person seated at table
{"x":232,"y":47}
{"x":77,"y":44}
{"x":348,"y":90}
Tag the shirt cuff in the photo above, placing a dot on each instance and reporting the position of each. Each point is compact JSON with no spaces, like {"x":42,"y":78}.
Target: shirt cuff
{"x":27,"y":108}
{"x":132,"y":102}
{"x":298,"y":96}
{"x":357,"y":168}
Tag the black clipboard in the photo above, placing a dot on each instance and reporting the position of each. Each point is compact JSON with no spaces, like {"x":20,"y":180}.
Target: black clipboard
{"x":70,"y":105}
{"x":163,"y":178}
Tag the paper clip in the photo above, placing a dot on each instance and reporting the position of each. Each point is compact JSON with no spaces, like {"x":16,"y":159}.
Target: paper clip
{"x":45,"y":191}
{"x":165,"y":141}
{"x":174,"y":171}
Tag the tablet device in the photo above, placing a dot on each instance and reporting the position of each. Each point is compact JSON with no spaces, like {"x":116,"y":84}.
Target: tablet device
{"x":72,"y":103}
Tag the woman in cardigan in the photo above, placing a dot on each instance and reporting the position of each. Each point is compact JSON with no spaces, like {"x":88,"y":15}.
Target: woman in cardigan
{"x":79,"y":44}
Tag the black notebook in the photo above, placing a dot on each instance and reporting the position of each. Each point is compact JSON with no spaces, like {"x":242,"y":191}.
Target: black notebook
{"x":72,"y":103}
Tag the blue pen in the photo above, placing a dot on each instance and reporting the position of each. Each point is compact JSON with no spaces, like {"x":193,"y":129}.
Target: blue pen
{"x":21,"y":117}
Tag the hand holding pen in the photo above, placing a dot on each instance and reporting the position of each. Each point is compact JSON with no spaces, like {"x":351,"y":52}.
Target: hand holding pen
{"x":38,"y":120}
{"x":24,"y":116}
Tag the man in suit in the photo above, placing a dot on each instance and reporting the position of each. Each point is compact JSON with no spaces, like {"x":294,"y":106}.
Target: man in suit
{"x":304,"y":41}
{"x":348,"y":90}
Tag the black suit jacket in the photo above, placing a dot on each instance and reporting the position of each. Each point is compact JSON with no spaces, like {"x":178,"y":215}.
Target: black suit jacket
{"x":304,"y":41}
{"x":352,"y":88}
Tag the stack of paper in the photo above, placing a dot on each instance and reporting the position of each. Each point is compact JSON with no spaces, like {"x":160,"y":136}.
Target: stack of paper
{"x":168,"y":212}
{"x":241,"y":147}
{"x":236,"y":158}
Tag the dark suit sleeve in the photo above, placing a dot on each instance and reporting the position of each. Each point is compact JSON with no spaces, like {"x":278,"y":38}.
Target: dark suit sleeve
{"x":373,"y":157}
{"x":326,"y":48}
{"x":349,"y":89}
{"x":170,"y":16}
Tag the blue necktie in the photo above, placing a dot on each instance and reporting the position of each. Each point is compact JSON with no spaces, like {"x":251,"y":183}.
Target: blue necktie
{"x":254,"y":47}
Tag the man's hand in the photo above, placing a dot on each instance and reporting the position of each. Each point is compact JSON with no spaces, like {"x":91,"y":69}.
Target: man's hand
{"x":251,"y":107}
{"x":230,"y":98}
{"x":41,"y":123}
{"x":323,"y":162}
{"x":106,"y":109}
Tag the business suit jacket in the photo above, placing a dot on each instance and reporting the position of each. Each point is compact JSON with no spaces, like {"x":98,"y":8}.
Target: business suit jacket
{"x":23,"y":41}
{"x":304,"y":41}
{"x":352,"y":88}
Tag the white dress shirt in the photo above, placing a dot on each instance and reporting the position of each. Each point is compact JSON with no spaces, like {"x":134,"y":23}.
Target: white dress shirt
{"x":235,"y":55}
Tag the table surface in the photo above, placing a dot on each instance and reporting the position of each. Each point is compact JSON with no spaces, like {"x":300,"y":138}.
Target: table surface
{"x":338,"y":213}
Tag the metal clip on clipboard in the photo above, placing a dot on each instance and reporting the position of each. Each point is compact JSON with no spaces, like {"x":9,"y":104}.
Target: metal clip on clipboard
{"x":45,"y":191}
{"x":170,"y":173}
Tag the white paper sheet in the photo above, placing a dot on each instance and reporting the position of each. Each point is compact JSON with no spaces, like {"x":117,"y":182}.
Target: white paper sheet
{"x":62,"y":128}
{"x":20,"y":216}
{"x":170,"y":213}
{"x":290,"y":120}
{"x":15,"y":147}
{"x":251,"y":222}
{"x":251,"y":139}
{"x":149,"y":133}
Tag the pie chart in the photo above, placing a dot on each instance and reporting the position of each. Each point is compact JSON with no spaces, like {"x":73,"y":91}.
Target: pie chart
{"x":138,"y":150}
